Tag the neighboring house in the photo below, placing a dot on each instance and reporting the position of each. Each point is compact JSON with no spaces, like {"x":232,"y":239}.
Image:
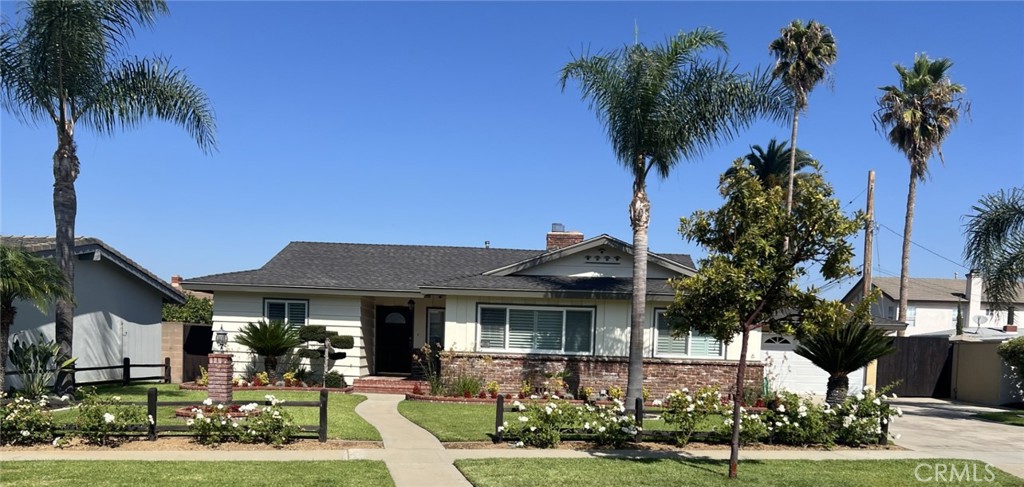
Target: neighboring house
{"x":117,"y":308}
{"x":517,"y":314}
{"x":932,"y":305}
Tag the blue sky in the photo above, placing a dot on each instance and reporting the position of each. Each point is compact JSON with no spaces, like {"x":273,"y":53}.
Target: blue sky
{"x":443,"y":124}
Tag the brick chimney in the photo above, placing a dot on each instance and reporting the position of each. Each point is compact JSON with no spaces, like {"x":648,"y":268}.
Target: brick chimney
{"x":558,"y":238}
{"x":176,"y":281}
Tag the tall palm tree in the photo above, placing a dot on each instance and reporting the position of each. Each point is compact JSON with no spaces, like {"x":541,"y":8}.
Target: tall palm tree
{"x":25,"y":277}
{"x":804,"y":53}
{"x":918,"y":114}
{"x":660,"y":105}
{"x":772,"y":164}
{"x":65,"y":64}
{"x":995,"y":244}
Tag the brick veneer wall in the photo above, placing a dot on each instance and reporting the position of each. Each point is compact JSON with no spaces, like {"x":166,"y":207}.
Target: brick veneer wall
{"x":219,"y":375}
{"x":661,"y":376}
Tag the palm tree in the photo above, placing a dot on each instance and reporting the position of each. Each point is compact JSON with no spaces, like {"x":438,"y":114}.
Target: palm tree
{"x":26,"y":277}
{"x":271,"y":340}
{"x":661,"y":105}
{"x":843,"y":347}
{"x":64,"y":64}
{"x":772,"y":164}
{"x":995,"y":243}
{"x":918,"y":114}
{"x":804,"y":54}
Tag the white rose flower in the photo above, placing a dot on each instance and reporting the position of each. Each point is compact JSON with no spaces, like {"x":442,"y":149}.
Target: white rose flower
{"x":524,"y":419}
{"x":208,"y":402}
{"x":108,"y":418}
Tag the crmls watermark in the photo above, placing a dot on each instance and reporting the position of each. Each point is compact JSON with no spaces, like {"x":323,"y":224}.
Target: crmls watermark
{"x":954,"y":472}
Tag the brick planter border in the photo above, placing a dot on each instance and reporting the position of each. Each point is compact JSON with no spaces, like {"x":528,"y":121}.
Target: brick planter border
{"x":191,"y":386}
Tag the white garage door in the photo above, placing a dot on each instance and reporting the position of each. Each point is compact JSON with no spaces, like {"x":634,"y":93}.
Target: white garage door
{"x":795,"y":373}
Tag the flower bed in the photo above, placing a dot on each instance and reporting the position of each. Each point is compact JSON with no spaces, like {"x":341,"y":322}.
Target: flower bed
{"x":192,"y":386}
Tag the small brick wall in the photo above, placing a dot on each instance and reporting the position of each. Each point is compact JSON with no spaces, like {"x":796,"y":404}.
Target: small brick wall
{"x":661,"y":376}
{"x":219,"y":374}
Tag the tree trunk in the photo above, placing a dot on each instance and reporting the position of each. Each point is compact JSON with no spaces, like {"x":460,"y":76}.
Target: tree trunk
{"x":792,"y":163}
{"x":639,"y":218}
{"x":737,"y":398}
{"x":837,"y":389}
{"x":65,"y":208}
{"x":7,"y":313}
{"x":270,"y":366}
{"x":905,"y":262}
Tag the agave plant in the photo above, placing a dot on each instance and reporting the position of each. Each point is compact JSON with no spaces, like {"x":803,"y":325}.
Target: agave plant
{"x":271,"y":340}
{"x":849,"y":344}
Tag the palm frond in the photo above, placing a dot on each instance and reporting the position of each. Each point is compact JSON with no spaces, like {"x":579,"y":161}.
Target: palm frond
{"x":142,"y":89}
{"x":23,"y":276}
{"x":804,"y":54}
{"x":846,"y":347}
{"x":270,"y":339}
{"x":995,"y":244}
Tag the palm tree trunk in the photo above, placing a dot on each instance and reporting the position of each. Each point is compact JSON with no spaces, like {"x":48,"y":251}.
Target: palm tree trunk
{"x":905,"y":262}
{"x":737,"y":398}
{"x":7,"y":313}
{"x":65,"y":208}
{"x":639,"y":217}
{"x":792,"y":164}
{"x":837,"y":389}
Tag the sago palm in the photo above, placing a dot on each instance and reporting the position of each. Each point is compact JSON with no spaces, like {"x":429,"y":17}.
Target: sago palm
{"x":772,"y":164}
{"x":24,"y":277}
{"x":660,"y":105}
{"x":843,"y":348}
{"x":271,"y":340}
{"x":918,"y":115}
{"x":65,"y":65}
{"x":995,"y":244}
{"x":804,"y":53}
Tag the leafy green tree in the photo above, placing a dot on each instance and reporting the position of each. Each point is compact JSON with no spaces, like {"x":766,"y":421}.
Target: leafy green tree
{"x":24,"y":276}
{"x":772,"y":164}
{"x":661,"y":105}
{"x":918,"y":114}
{"x":749,"y":278}
{"x":271,"y":340}
{"x":995,"y":244}
{"x":844,"y":342}
{"x":65,"y":64}
{"x":195,"y":310}
{"x":804,"y":53}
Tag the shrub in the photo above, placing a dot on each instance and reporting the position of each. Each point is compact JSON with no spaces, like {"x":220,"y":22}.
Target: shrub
{"x":1012,"y":352}
{"x":615,"y":393}
{"x":25,"y":422}
{"x":195,"y":310}
{"x":270,"y":424}
{"x":859,"y":419}
{"x":271,"y":340}
{"x":798,"y":421}
{"x":536,"y":425}
{"x":464,"y":383}
{"x":101,"y":418}
{"x":273,"y":425}
{"x":686,"y":411}
{"x":334,"y":380}
{"x":35,"y":363}
{"x":429,"y":360}
{"x":752,"y":427}
{"x":493,"y":388}
{"x":204,"y":379}
{"x":611,"y":425}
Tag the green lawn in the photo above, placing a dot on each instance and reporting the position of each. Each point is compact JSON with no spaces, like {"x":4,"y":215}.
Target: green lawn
{"x":451,"y":421}
{"x":590,"y":472}
{"x":1015,"y":418}
{"x":342,"y":420}
{"x":76,"y":473}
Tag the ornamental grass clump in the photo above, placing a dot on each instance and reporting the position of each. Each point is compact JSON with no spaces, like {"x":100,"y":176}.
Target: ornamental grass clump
{"x":860,"y":419}
{"x":795,"y":420}
{"x":686,"y":411}
{"x":102,"y":420}
{"x":25,"y":422}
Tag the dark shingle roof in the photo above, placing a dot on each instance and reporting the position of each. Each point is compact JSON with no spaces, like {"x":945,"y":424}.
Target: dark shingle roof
{"x":556,"y":285}
{"x":46,"y":247}
{"x":347,"y":266}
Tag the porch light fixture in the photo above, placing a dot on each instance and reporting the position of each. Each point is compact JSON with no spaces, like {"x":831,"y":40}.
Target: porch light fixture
{"x":411,"y":304}
{"x":222,"y":338}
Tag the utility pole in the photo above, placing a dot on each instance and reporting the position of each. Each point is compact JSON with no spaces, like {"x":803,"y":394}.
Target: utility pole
{"x":869,"y":229}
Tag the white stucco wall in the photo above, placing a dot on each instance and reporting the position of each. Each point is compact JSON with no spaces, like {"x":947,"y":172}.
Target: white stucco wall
{"x":233,"y":310}
{"x":611,"y":322}
{"x":117,"y":315}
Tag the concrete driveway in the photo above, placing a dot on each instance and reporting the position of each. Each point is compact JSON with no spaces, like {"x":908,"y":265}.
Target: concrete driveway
{"x":946,"y":429}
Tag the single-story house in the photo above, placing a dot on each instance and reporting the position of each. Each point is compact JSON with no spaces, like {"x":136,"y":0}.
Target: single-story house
{"x":515,"y":314}
{"x":117,"y":308}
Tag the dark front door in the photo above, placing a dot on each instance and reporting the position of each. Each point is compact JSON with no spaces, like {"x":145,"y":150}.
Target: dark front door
{"x":394,"y":340}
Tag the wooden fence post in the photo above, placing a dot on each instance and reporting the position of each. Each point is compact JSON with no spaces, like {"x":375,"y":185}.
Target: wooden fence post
{"x":499,"y":419}
{"x":126,"y":371}
{"x":167,"y":370}
{"x":323,"y":415}
{"x":883,"y":439}
{"x":639,"y":416}
{"x":151,"y":411}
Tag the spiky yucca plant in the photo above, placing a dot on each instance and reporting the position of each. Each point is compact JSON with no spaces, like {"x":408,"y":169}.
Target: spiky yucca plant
{"x":271,"y":340}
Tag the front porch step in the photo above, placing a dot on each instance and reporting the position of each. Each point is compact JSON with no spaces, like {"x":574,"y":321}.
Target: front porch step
{"x":387,"y":385}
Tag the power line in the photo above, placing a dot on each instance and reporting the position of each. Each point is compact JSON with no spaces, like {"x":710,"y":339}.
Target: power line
{"x":926,"y":249}
{"x":848,"y":203}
